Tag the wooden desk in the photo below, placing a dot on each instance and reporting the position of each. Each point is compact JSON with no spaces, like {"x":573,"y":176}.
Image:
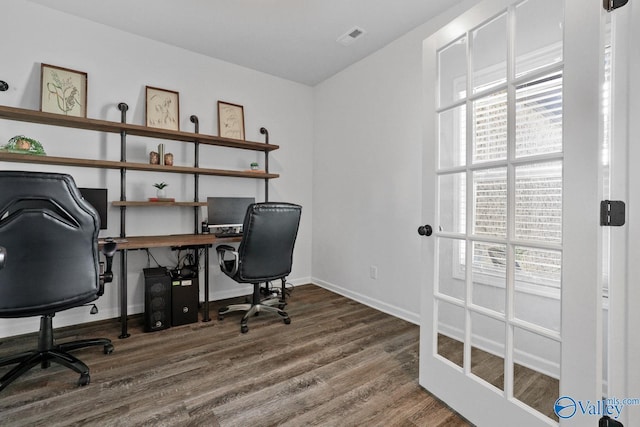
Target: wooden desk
{"x":172,"y":241}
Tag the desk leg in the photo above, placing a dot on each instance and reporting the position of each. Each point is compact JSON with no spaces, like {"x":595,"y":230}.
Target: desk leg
{"x":123,"y":294}
{"x":205,"y":306}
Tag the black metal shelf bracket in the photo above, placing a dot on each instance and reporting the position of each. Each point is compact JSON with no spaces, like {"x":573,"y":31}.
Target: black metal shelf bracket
{"x":265,"y":132}
{"x":124,"y":333}
{"x":196,"y":177}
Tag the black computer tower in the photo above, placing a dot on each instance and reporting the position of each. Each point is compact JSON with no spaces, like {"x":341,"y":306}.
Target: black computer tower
{"x":184,"y":299}
{"x":157,"y":299}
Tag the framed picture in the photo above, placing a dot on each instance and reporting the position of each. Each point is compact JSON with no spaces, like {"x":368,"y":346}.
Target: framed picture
{"x":230,"y":120}
{"x":63,"y":91}
{"x":162,"y":109}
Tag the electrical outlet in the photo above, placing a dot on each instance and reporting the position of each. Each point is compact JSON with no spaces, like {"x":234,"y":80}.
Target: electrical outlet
{"x":373,"y":272}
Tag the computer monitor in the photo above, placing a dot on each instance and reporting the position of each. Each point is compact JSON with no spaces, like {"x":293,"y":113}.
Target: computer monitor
{"x":227,"y":211}
{"x":97,"y":197}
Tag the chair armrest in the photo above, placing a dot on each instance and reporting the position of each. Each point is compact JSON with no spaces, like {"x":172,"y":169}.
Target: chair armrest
{"x":222,"y":250}
{"x":109,"y":250}
{"x":3,"y":256}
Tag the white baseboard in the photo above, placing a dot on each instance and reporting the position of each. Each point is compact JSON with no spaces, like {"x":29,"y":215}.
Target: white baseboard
{"x":371,"y":302}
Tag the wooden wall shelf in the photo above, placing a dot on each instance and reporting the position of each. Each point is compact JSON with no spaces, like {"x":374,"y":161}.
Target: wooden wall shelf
{"x":110,"y":164}
{"x":24,"y":115}
{"x":125,"y":242}
{"x":154,"y":204}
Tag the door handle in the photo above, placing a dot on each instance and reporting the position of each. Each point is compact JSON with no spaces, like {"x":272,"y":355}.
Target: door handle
{"x":425,"y":230}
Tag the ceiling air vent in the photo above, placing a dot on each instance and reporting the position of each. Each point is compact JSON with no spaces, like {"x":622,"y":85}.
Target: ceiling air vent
{"x":350,"y":36}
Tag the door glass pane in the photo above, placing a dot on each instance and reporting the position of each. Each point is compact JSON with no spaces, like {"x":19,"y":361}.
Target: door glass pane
{"x":452,"y":137}
{"x":489,"y":275}
{"x":538,"y":35}
{"x":490,"y":202}
{"x":487,"y":349}
{"x":536,"y":371}
{"x":490,"y":128}
{"x":537,"y":288}
{"x":452,"y":72}
{"x":539,"y":202}
{"x":450,"y":332}
{"x":452,"y":202}
{"x":451,"y":267}
{"x":539,"y":116}
{"x":489,"y":54}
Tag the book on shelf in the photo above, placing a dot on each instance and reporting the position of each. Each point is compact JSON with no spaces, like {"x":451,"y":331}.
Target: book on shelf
{"x":162,"y":199}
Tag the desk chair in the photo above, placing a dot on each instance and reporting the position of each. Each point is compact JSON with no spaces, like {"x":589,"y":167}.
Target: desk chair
{"x":52,"y":263}
{"x":264,"y":254}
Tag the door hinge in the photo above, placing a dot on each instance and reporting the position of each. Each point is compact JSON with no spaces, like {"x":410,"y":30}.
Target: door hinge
{"x":610,"y":5}
{"x":612,"y":213}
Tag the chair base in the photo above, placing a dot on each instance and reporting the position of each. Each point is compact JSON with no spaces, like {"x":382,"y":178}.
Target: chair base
{"x":256,"y":307}
{"x":269,"y":293}
{"x":48,"y":352}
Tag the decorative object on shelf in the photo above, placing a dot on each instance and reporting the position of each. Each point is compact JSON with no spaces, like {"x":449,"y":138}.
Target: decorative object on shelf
{"x":162,"y":199}
{"x":4,"y":86}
{"x":63,"y":91}
{"x":162,"y":109}
{"x":154,"y":158}
{"x":161,"y":192}
{"x":230,"y":120}
{"x":161,"y":153}
{"x":20,"y":144}
{"x":168,"y":159}
{"x":255,"y":167}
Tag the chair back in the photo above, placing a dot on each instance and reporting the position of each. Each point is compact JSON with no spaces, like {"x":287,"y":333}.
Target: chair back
{"x":51,"y":237}
{"x":269,"y":234}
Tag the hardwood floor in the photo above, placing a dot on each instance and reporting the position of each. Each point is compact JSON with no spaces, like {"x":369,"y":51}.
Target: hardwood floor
{"x":339,"y":363}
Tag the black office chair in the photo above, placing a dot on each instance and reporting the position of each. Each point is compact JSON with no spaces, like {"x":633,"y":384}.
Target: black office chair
{"x":52,"y":263}
{"x":264,"y":254}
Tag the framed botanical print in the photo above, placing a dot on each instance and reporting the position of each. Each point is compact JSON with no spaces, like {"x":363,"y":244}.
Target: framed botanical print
{"x":162,"y":108}
{"x":63,"y":91}
{"x":230,"y":120}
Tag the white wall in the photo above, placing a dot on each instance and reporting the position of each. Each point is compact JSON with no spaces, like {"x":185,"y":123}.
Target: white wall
{"x":367,"y":175}
{"x":119,"y":65}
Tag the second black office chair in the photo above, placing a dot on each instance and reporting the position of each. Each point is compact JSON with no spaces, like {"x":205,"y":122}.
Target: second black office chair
{"x":51,"y":263}
{"x":264,"y":254}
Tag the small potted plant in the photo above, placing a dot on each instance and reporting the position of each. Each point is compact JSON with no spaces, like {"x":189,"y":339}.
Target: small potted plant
{"x":161,"y":193}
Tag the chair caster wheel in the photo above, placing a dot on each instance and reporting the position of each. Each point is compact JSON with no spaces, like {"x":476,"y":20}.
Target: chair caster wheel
{"x":244,"y":329}
{"x":287,"y":321}
{"x":220,"y":317}
{"x":84,"y":380}
{"x":108,"y":349}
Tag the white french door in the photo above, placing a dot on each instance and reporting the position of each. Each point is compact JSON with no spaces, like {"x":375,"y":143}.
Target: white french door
{"x":511,"y":329}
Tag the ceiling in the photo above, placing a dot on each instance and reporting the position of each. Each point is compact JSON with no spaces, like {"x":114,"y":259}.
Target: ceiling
{"x":292,"y":39}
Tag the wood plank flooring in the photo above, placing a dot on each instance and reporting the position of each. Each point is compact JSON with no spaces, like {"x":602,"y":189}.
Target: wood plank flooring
{"x":339,"y":363}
